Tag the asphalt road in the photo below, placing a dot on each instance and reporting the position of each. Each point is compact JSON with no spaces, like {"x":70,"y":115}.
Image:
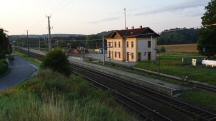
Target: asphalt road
{"x":20,"y":70}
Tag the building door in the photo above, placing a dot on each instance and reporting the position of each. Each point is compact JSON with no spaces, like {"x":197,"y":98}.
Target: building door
{"x":139,"y":56}
{"x":128,"y":54}
{"x":149,"y":56}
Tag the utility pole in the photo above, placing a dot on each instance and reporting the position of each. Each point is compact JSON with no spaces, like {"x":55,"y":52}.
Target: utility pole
{"x":85,"y":46}
{"x":103,"y":45}
{"x":57,"y":43}
{"x":49,"y":34}
{"x":125,"y":17}
{"x":27,"y":41}
{"x":39,"y":44}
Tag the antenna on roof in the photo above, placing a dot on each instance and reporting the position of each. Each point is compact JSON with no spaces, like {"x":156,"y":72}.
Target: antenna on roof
{"x":125,"y":17}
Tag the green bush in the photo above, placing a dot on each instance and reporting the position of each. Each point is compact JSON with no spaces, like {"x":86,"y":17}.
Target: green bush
{"x":3,"y":66}
{"x":57,"y":61}
{"x":162,"y":49}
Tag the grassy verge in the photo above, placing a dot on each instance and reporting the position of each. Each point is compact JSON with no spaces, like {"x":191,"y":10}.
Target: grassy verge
{"x":53,"y":97}
{"x":201,"y":98}
{"x":30,"y":59}
{"x":172,"y":64}
{"x":3,"y":67}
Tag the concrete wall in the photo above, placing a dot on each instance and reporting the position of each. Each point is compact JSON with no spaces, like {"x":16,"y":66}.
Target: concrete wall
{"x":115,"y":49}
{"x":131,"y":50}
{"x":140,"y":45}
{"x":143,"y":48}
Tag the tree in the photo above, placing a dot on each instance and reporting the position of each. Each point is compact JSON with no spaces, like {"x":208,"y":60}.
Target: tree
{"x":179,"y":36}
{"x":207,"y":40}
{"x":5,"y":47}
{"x":57,"y":61}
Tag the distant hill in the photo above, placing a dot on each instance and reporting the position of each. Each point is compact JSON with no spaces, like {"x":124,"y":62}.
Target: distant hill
{"x":179,"y":36}
{"x":45,"y":36}
{"x":167,"y":37}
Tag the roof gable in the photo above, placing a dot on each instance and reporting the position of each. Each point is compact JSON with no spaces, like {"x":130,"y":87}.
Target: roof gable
{"x":134,"y":33}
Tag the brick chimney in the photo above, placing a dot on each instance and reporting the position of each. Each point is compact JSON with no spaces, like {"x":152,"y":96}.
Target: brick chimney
{"x":132,"y":27}
{"x":141,"y":27}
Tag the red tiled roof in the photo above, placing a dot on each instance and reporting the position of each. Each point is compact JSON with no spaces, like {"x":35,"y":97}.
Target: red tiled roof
{"x":135,"y":33}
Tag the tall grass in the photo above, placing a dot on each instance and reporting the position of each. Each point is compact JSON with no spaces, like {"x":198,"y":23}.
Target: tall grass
{"x":53,"y":97}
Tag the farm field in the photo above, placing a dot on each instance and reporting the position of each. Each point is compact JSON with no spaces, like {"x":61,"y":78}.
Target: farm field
{"x":171,"y":63}
{"x":181,"y":48}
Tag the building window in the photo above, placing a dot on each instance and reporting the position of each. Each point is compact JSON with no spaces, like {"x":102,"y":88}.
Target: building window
{"x":115,"y":44}
{"x":119,"y":54}
{"x":119,"y":44}
{"x":110,"y":44}
{"x":109,"y":54}
{"x":132,"y":56}
{"x":132,"y":44}
{"x":149,"y":44}
{"x":127,"y":44}
{"x":115,"y":54}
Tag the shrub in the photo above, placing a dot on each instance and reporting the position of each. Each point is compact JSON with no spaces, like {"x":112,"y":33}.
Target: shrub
{"x":57,"y":61}
{"x":163,"y":49}
{"x":3,"y":66}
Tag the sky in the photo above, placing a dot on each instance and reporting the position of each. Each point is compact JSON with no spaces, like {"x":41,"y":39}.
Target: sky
{"x":94,"y":16}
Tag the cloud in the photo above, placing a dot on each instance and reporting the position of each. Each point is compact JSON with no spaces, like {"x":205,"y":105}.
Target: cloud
{"x":183,"y":6}
{"x":105,"y":20}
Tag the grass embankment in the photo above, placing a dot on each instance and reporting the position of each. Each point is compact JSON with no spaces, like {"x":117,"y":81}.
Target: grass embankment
{"x":52,"y":97}
{"x":28,"y":58}
{"x":3,"y":67}
{"x":201,"y":98}
{"x":172,"y":64}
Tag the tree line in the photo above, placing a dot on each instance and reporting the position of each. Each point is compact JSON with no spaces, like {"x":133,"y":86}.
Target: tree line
{"x":179,"y":36}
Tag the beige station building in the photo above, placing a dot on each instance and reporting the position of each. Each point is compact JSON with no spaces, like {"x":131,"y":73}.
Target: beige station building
{"x":132,"y":45}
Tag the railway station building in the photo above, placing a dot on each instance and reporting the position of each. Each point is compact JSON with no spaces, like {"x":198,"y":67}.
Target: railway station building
{"x":132,"y":45}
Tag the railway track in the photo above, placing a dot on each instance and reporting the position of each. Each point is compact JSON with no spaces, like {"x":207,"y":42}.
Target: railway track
{"x":169,"y":108}
{"x":147,"y":103}
{"x":190,"y":83}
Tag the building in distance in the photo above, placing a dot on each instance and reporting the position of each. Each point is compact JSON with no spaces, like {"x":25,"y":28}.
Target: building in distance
{"x":132,"y":45}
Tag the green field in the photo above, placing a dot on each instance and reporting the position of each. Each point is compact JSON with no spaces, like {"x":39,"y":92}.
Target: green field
{"x":53,"y":97}
{"x":172,"y":64}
